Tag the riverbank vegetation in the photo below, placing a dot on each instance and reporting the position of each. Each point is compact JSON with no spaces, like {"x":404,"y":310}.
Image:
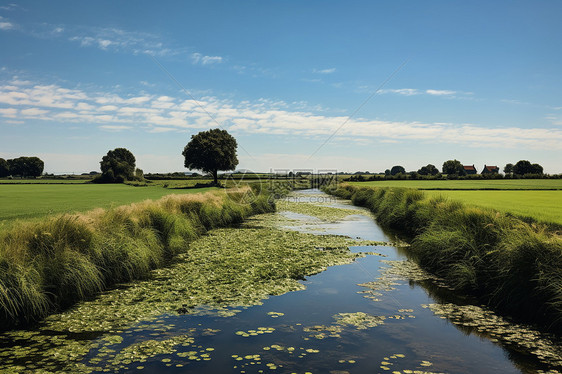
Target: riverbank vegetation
{"x":510,"y":264}
{"x":50,"y":264}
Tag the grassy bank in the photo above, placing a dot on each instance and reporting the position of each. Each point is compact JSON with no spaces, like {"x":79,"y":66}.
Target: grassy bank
{"x":510,"y":265}
{"x":49,"y":264}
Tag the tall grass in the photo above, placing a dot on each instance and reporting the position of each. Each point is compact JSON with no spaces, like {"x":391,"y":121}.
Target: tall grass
{"x":511,"y":265}
{"x":48,"y":265}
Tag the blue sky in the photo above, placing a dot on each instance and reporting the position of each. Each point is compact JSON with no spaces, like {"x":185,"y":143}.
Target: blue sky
{"x":477,"y":81}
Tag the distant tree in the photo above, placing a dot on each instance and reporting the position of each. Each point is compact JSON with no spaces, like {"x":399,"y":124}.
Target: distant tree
{"x":536,"y":169}
{"x":34,"y":166}
{"x":4,"y":168}
{"x":26,"y":166}
{"x":117,"y":166}
{"x":453,"y":167}
{"x":211,"y":151}
{"x":387,"y":172}
{"x":16,"y":166}
{"x":428,"y":170}
{"x":139,"y":174}
{"x":523,"y":167}
{"x":397,"y":169}
{"x":508,"y":168}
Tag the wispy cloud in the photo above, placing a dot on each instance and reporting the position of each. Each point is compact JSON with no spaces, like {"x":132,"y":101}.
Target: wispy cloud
{"x":198,"y":58}
{"x":440,"y":92}
{"x":115,"y":128}
{"x":5,"y":24}
{"x":324,"y":71}
{"x":115,"y":39}
{"x":402,"y":91}
{"x":416,"y":91}
{"x":10,"y":7}
{"x":26,"y":101}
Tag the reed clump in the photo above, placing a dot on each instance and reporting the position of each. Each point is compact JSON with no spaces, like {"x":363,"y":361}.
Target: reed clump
{"x":510,"y":264}
{"x":48,"y":265}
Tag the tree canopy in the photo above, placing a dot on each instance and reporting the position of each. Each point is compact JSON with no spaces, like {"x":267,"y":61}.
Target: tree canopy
{"x":523,"y":167}
{"x":211,"y":151}
{"x":453,"y":167}
{"x":428,"y":170}
{"x":24,"y":167}
{"x":117,"y":166}
{"x":4,"y":168}
{"x":397,"y":169}
{"x":508,"y":168}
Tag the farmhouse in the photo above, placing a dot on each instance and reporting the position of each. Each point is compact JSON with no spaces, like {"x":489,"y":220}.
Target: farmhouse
{"x":469,"y":169}
{"x":490,"y":170}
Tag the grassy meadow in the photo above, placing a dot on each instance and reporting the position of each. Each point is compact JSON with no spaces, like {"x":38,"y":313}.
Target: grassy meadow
{"x":539,"y":199}
{"x":22,"y":201}
{"x":486,"y":184}
{"x":543,"y":206}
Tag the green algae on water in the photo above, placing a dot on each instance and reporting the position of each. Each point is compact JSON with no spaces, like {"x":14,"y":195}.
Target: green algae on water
{"x":359,"y":320}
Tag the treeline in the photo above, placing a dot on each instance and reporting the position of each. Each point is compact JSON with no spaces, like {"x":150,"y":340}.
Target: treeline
{"x":440,"y":176}
{"x":454,"y":169}
{"x":21,"y":167}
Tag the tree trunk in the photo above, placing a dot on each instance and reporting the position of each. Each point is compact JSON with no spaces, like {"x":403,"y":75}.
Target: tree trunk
{"x":215,"y":176}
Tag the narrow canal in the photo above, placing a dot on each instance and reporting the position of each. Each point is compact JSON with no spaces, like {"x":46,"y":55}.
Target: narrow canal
{"x":379,"y":313}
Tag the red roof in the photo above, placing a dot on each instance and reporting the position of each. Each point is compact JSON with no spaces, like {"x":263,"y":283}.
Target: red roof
{"x":492,"y":168}
{"x":469,"y":167}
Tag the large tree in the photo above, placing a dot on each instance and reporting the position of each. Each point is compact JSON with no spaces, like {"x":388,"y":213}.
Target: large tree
{"x":523,"y":167}
{"x":26,"y":166}
{"x":211,"y":151}
{"x":117,"y":166}
{"x":4,"y":168}
{"x":453,"y":167}
{"x":397,"y":169}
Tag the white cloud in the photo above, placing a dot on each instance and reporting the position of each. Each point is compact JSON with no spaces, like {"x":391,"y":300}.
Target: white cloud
{"x":402,"y":91}
{"x":198,"y":58}
{"x":6,"y":25}
{"x":114,"y":127}
{"x":440,"y":92}
{"x":33,"y":112}
{"x":104,"y":43}
{"x":8,"y":112}
{"x":415,"y":91}
{"x":158,"y":114}
{"x":324,"y":71}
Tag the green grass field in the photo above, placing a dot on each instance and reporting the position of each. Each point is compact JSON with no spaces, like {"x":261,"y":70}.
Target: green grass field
{"x":38,"y":200}
{"x":523,"y":197}
{"x":544,"y":206}
{"x":43,"y":181}
{"x":502,"y":184}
